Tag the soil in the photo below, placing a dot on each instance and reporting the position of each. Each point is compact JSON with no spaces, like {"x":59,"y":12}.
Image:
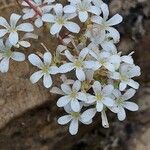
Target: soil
{"x":28,"y":113}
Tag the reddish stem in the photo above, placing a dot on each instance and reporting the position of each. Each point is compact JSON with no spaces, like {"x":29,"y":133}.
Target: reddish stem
{"x":33,"y":7}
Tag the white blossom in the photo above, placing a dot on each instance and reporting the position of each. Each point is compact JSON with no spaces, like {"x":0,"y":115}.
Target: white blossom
{"x":122,"y":103}
{"x":74,"y":118}
{"x":12,"y":28}
{"x":59,"y":19}
{"x":6,"y":54}
{"x":82,"y":7}
{"x":125,"y":75}
{"x":105,"y":25}
{"x":46,"y":69}
{"x":79,"y":64}
{"x":102,"y":96}
{"x":106,"y":60}
{"x":42,"y":6}
{"x":72,"y":96}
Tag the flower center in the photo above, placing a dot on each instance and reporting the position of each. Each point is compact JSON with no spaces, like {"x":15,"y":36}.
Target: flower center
{"x":73,"y":94}
{"x":124,"y":78}
{"x":99,"y":96}
{"x":75,"y":114}
{"x":60,"y":20}
{"x":120,"y":101}
{"x":78,"y":63}
{"x":45,"y":69}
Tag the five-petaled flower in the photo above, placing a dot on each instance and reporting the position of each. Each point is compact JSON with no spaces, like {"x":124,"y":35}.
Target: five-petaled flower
{"x":46,"y":69}
{"x":121,"y":102}
{"x":12,"y":29}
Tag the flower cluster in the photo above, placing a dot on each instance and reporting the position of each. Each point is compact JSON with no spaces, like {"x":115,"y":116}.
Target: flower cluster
{"x":100,"y":77}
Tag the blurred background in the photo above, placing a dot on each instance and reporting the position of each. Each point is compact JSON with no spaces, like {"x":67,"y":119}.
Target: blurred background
{"x":28,"y":114}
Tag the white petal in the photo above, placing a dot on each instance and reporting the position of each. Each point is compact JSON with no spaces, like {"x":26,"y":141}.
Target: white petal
{"x":3,"y":32}
{"x":54,"y":70}
{"x":36,"y":76}
{"x":129,"y":94}
{"x":95,"y":10}
{"x":133,"y":84}
{"x":88,"y":115}
{"x":83,"y":16}
{"x":109,"y":66}
{"x":77,"y":85}
{"x":58,"y":9}
{"x":55,"y":28}
{"x":17,"y":56}
{"x":13,"y":38}
{"x":47,"y":58}
{"x":90,"y":99}
{"x":121,"y":114}
{"x":14,"y":19}
{"x":35,"y":60}
{"x":72,"y":27}
{"x":94,"y":65}
{"x":38,"y":22}
{"x":3,"y":22}
{"x":108,"y":89}
{"x":69,"y":56}
{"x":122,"y":86}
{"x":97,"y":19}
{"x":116,"y":19}
{"x":117,"y":93}
{"x":66,"y":68}
{"x":105,"y":11}
{"x":114,"y":34}
{"x":26,"y":27}
{"x":66,"y":88}
{"x":135,"y":71}
{"x":75,"y":105}
{"x":82,"y":96}
{"x":127,"y":59}
{"x":97,"y":87}
{"x":108,"y":101}
{"x":73,"y":128}
{"x":80,"y":74}
{"x":83,"y":53}
{"x":131,"y":106}
{"x":4,"y":65}
{"x":47,"y":81}
{"x":64,"y":119}
{"x":69,"y":9}
{"x":24,"y":44}
{"x":48,"y":18}
{"x":63,"y":101}
{"x":99,"y":106}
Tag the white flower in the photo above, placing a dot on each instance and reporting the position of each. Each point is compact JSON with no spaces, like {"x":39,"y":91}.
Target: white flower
{"x":74,"y":118}
{"x":6,"y":54}
{"x":12,"y":29}
{"x":125,"y":75}
{"x":72,"y":96}
{"x":106,"y":25}
{"x":102,"y":96}
{"x":82,"y":7}
{"x":79,"y":63}
{"x":59,"y":20}
{"x":41,"y":6}
{"x":106,"y":60}
{"x":45,"y":69}
{"x":122,"y":102}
